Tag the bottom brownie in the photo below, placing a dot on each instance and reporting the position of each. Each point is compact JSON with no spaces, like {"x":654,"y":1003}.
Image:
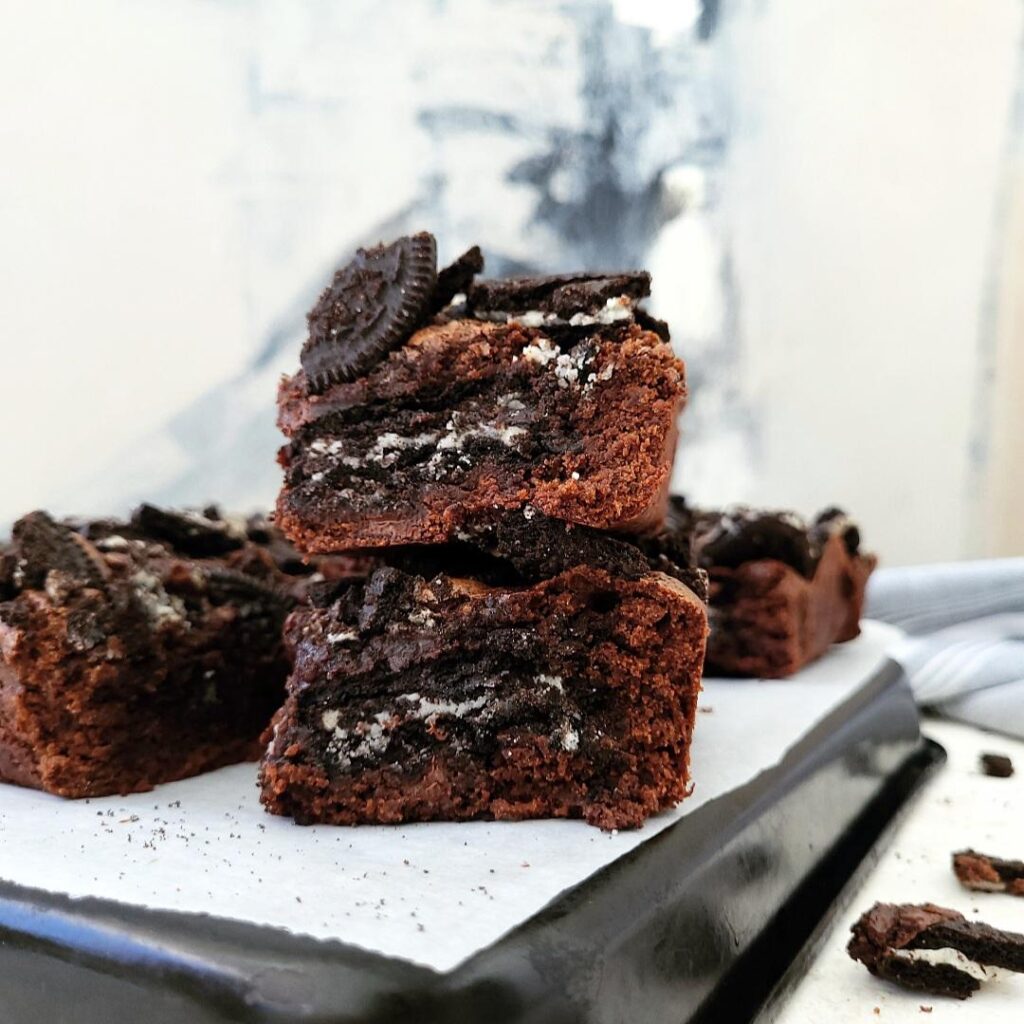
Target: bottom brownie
{"x":419,"y":696}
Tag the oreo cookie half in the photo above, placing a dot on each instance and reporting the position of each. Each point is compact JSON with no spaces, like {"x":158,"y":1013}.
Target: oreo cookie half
{"x":563,"y":295}
{"x":372,"y":306}
{"x":42,"y":544}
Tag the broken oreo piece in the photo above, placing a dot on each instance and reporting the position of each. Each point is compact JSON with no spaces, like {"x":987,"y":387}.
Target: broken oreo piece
{"x":984,"y":873}
{"x":230,"y":585}
{"x":561,"y":295}
{"x":191,"y":533}
{"x":932,"y":949}
{"x":42,"y":544}
{"x":457,"y":278}
{"x":999,"y":766}
{"x":372,"y":306}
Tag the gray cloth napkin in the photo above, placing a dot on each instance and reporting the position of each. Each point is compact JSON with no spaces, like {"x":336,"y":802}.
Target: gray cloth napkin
{"x":964,"y":649}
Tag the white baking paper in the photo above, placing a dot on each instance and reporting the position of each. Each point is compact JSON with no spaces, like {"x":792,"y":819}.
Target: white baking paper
{"x":432,"y":893}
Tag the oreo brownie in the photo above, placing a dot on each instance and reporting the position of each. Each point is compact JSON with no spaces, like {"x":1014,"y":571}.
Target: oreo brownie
{"x":135,"y":653}
{"x":426,"y":401}
{"x":932,"y":949}
{"x":534,"y":669}
{"x":782,"y":591}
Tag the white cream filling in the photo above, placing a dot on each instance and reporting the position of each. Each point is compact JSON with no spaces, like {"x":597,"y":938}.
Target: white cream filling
{"x":159,"y":606}
{"x":343,"y":636}
{"x":617,"y":308}
{"x":373,"y":736}
{"x":425,"y":708}
{"x":568,"y":739}
{"x":945,"y":957}
{"x":553,"y":681}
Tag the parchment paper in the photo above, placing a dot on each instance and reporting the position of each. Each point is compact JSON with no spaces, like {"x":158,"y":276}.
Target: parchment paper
{"x":431,"y":893}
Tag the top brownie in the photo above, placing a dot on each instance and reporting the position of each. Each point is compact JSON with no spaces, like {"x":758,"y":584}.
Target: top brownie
{"x":427,"y":401}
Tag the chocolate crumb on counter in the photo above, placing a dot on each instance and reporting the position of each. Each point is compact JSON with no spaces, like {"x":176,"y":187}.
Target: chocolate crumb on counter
{"x":999,"y":766}
{"x":932,"y":949}
{"x":985,"y":873}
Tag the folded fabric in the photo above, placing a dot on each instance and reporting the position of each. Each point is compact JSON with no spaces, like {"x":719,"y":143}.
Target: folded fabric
{"x":964,"y":649}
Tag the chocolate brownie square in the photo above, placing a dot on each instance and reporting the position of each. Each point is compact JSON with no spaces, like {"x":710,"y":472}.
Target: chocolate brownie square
{"x":418,"y":411}
{"x":535,"y":669}
{"x":782,"y":591}
{"x":135,"y":653}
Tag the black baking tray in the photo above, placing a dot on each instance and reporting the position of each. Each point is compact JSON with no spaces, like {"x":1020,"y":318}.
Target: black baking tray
{"x":701,"y":923}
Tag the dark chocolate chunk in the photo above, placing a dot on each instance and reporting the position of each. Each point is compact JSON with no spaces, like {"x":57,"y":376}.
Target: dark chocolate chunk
{"x":190,"y":533}
{"x":561,"y":294}
{"x":999,"y":766}
{"x":42,"y":544}
{"x":372,"y":306}
{"x":985,"y":873}
{"x":891,"y":940}
{"x":457,"y":278}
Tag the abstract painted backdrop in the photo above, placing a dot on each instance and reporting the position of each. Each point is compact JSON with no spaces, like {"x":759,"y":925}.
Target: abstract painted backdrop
{"x":818,"y":189}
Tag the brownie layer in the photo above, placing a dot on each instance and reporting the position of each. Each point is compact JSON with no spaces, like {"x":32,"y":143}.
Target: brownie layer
{"x":782,"y":591}
{"x":136,"y":653}
{"x":471,"y":416}
{"x":449,"y":698}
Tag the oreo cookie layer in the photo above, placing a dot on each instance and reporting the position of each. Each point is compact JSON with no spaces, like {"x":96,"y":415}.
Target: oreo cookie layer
{"x":560,"y":295}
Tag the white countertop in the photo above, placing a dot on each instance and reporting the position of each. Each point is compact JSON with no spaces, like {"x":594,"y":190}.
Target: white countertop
{"x":959,"y":808}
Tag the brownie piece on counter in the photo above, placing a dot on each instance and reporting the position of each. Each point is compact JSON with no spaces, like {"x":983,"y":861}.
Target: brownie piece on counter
{"x":782,"y":590}
{"x":932,"y":949}
{"x":135,"y":653}
{"x":534,"y":669}
{"x":985,"y":873}
{"x":419,"y":408}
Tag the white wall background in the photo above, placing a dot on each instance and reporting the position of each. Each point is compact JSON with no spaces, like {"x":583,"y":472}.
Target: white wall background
{"x":177,"y":178}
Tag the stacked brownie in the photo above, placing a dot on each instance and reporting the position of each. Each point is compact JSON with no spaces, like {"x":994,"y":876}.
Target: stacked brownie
{"x":516,"y":649}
